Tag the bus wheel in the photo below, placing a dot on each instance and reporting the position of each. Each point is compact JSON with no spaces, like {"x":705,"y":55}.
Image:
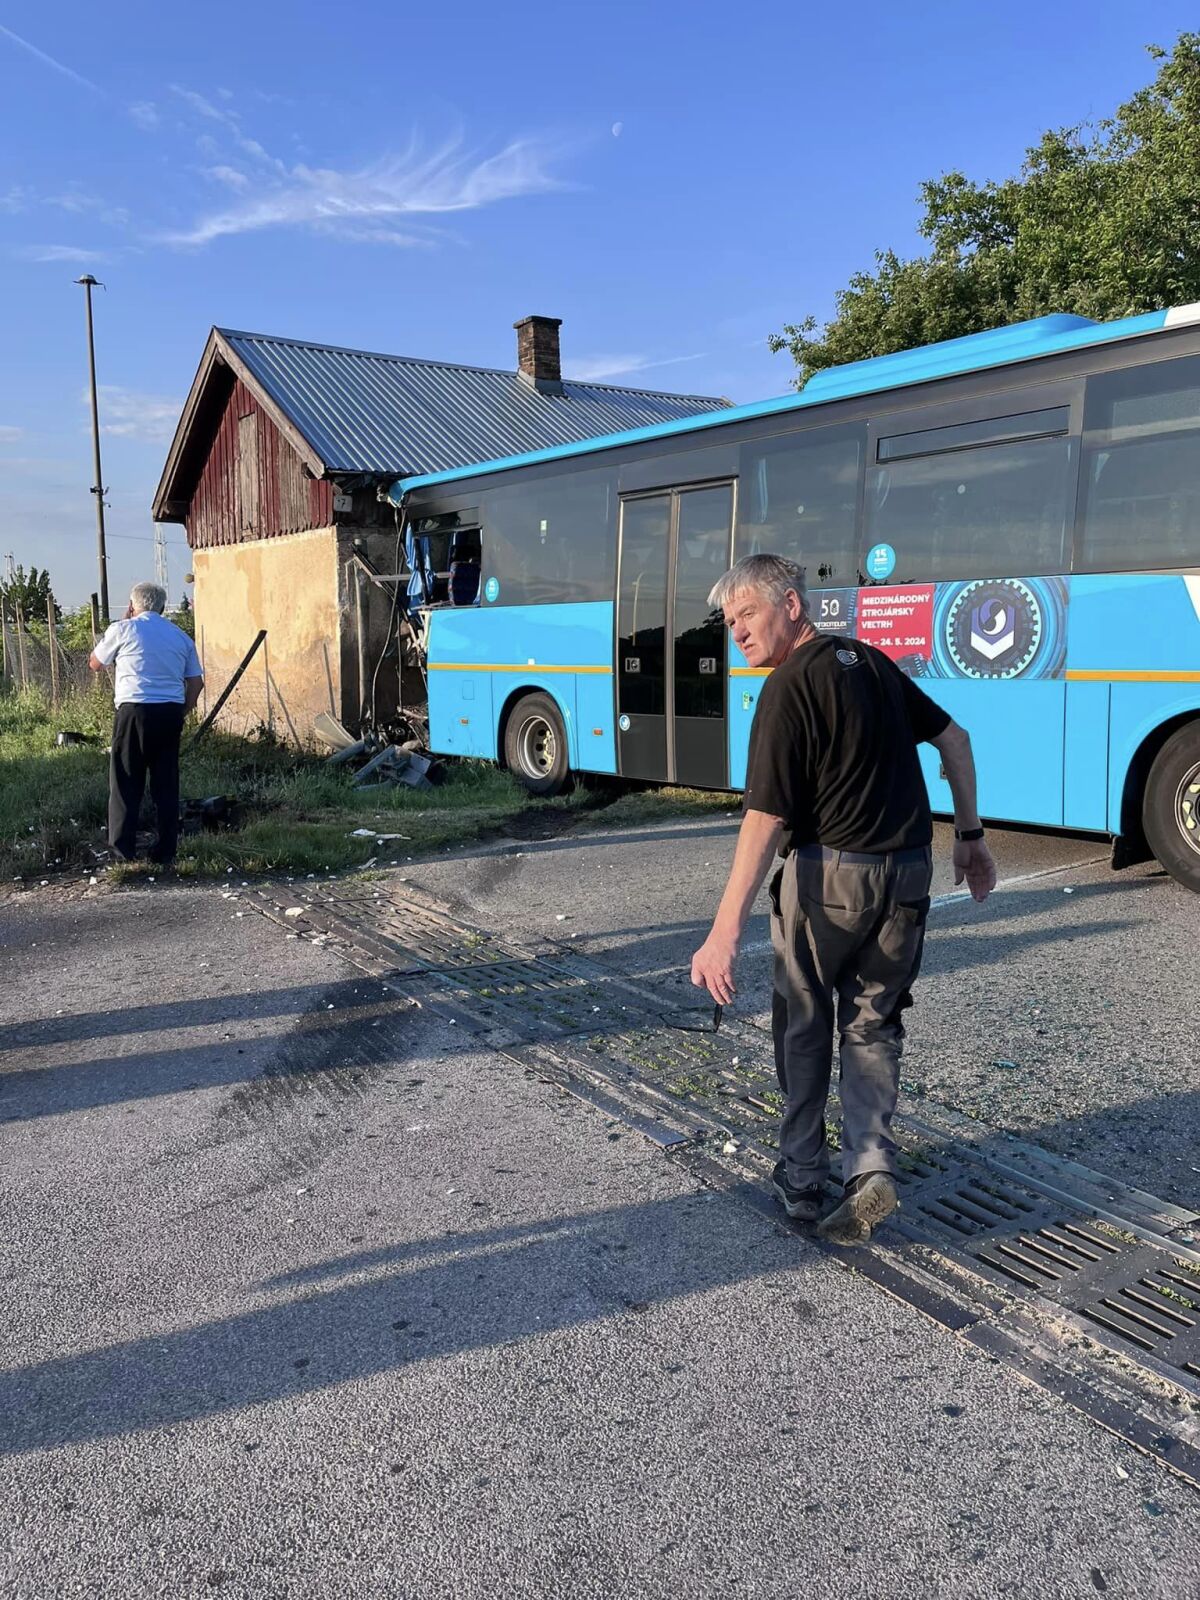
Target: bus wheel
{"x":1171,"y":807}
{"x":535,"y":746}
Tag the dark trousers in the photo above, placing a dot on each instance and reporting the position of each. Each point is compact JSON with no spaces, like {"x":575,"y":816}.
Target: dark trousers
{"x":145,"y":743}
{"x":848,"y":935}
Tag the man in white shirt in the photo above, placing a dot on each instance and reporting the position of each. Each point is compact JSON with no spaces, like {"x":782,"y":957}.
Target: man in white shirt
{"x":158,"y":681}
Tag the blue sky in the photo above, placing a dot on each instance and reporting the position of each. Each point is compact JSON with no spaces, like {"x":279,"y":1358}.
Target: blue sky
{"x":674,"y":180}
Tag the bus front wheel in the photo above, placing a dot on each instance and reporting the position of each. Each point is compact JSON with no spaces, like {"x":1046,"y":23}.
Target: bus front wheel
{"x":535,"y":746}
{"x":1171,"y":807}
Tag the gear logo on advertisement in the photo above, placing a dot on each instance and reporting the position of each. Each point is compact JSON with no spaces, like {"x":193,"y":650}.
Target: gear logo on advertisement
{"x":994,"y":628}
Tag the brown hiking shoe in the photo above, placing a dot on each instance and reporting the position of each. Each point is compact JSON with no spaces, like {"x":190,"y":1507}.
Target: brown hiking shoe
{"x":867,"y":1200}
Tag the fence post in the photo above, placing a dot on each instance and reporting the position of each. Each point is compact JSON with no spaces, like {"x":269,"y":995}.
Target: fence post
{"x":95,"y":617}
{"x":6,"y":671}
{"x":52,"y":641}
{"x":21,"y":647}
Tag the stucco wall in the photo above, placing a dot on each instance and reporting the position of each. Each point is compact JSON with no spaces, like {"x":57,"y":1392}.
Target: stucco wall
{"x":288,"y":585}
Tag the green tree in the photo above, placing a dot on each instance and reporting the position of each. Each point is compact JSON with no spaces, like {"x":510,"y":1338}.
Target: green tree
{"x":1103,"y":222}
{"x":31,"y":591}
{"x":75,"y":629}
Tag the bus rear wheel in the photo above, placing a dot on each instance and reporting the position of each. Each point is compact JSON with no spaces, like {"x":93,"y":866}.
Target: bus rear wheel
{"x":535,"y":746}
{"x":1171,"y":806}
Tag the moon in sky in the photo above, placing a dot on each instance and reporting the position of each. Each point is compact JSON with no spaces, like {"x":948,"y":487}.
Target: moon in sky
{"x":617,"y":129}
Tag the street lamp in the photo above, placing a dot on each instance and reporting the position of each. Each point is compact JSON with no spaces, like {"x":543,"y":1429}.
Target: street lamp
{"x":89,"y":283}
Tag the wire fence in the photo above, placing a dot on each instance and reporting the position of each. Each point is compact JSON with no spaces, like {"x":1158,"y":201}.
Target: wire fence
{"x":33,"y":656}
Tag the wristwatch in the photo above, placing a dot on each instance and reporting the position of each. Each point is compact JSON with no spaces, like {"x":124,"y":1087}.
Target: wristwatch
{"x":968,"y":835}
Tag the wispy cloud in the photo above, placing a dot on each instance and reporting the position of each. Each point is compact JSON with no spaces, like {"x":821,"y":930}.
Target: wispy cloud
{"x":80,"y":203}
{"x":231,"y":122}
{"x":8,"y":433}
{"x":591,"y":369}
{"x":49,"y":61}
{"x":131,"y":414}
{"x":145,"y":114}
{"x":230,"y":176}
{"x":404,"y":186}
{"x":61,"y":252}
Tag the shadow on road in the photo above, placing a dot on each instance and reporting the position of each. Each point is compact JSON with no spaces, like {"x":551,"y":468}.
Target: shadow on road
{"x":427,"y":1299}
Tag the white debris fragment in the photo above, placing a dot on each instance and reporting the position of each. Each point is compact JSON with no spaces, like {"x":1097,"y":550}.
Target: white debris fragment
{"x":1121,"y":1473}
{"x":562,"y":916}
{"x":294,"y":911}
{"x":730,"y":1147}
{"x":1068,"y":891}
{"x":303,"y":1191}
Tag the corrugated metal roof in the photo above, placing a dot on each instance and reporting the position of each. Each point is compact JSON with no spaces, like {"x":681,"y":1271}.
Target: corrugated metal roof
{"x":393,"y":414}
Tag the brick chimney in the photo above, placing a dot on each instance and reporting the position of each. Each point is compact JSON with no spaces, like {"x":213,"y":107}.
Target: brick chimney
{"x":537,"y":353}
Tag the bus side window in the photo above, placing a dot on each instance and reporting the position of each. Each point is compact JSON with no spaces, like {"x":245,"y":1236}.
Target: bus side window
{"x":1140,"y":488}
{"x":465,"y":562}
{"x":798,"y":497}
{"x":980,"y":499}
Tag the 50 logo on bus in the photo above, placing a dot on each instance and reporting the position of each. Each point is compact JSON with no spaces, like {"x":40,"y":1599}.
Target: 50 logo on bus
{"x":1001,"y":628}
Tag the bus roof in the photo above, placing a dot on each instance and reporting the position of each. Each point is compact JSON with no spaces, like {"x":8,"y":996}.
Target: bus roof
{"x":1020,"y":341}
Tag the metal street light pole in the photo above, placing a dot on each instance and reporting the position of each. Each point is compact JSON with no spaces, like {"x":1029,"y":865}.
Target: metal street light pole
{"x":89,"y":283}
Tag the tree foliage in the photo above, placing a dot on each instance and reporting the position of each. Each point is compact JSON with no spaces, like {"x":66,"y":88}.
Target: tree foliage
{"x":75,"y":629}
{"x":1103,"y":222}
{"x":31,"y":591}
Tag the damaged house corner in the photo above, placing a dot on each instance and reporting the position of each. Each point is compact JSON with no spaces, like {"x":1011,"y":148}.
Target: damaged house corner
{"x":279,"y":471}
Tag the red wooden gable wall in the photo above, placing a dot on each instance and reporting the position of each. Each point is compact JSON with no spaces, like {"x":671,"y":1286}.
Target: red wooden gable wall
{"x":253,"y":485}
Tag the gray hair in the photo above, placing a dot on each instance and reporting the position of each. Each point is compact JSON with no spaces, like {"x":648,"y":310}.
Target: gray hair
{"x":148,"y":597}
{"x":770,"y":576}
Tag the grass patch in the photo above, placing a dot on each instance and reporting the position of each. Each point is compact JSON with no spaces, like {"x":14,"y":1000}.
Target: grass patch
{"x":295,"y":814}
{"x":663,"y":801}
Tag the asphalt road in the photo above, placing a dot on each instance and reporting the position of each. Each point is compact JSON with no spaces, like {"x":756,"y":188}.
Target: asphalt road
{"x":1080,"y":980}
{"x":305,"y":1296}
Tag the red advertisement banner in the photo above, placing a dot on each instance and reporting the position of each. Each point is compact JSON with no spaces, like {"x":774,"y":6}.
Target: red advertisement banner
{"x":897,"y":621}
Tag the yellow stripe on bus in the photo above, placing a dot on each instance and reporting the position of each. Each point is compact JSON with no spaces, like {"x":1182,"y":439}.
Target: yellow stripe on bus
{"x":1106,"y":675}
{"x":1076,"y":675}
{"x":502,"y":666}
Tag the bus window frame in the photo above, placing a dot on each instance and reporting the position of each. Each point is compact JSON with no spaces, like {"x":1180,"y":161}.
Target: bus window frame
{"x":778,"y":440}
{"x":1079,"y":563}
{"x":1000,"y":403}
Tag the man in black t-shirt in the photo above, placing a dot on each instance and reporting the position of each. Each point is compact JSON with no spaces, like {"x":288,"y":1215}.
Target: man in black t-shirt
{"x":834,"y":782}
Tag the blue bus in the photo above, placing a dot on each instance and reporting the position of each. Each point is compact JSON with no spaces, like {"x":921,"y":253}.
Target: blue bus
{"x":1014,"y":517}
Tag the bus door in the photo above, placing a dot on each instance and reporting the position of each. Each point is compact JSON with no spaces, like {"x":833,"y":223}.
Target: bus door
{"x":671,"y":645}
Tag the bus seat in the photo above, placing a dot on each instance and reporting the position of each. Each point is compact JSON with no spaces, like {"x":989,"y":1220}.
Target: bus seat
{"x":464,"y":583}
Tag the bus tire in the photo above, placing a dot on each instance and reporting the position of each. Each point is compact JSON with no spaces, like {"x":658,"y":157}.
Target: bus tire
{"x":1171,"y":806}
{"x":535,"y":746}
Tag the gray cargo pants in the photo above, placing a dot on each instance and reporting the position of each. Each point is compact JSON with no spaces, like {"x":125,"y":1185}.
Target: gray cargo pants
{"x":853,"y":926}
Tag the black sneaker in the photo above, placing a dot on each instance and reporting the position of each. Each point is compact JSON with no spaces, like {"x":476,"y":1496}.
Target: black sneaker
{"x":802,"y":1205}
{"x":866,"y":1201}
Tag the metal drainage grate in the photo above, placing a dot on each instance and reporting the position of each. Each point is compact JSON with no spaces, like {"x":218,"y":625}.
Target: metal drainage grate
{"x":515,"y":1001}
{"x":383,"y":939}
{"x":1134,"y":1290}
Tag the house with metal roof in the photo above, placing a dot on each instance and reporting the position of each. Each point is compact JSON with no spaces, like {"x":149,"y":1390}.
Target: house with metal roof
{"x":279,"y":471}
